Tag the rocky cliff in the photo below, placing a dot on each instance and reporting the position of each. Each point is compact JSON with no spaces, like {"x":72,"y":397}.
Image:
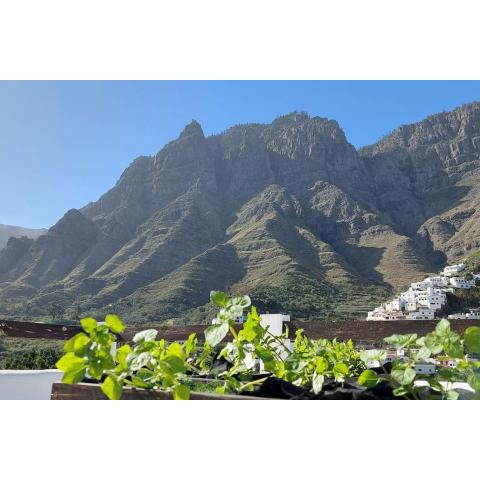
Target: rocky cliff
{"x":7,"y":231}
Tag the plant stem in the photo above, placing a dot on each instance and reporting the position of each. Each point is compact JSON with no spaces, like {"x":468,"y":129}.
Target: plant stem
{"x":254,"y":382}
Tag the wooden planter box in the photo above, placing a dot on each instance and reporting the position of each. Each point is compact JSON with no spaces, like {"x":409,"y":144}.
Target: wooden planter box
{"x":90,"y":391}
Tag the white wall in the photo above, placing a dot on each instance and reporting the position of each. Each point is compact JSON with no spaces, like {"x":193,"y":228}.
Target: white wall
{"x":27,"y":384}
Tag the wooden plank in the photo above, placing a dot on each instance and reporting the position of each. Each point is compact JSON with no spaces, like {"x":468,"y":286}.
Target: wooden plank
{"x":169,"y":332}
{"x":88,"y":391}
{"x":361,"y":330}
{"x":13,"y":328}
{"x":47,"y":331}
{"x":357,"y":330}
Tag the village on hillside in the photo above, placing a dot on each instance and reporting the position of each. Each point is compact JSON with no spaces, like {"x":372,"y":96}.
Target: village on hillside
{"x":423,"y":300}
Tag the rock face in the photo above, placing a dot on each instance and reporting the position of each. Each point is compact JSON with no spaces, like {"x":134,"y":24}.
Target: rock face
{"x":7,"y":231}
{"x":289,"y":212}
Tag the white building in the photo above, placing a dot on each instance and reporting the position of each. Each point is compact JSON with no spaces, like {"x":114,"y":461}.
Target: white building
{"x":422,"y":314}
{"x":386,"y":315}
{"x":453,"y":269}
{"x":396,"y":304}
{"x":423,"y":299}
{"x":471,"y":315}
{"x":438,"y":281}
{"x":425,"y":367}
{"x":462,"y":282}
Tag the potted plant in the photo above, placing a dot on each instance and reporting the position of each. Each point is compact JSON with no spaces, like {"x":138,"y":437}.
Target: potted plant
{"x":255,"y":363}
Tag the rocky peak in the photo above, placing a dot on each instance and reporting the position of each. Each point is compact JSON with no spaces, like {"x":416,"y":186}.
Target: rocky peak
{"x":192,"y":129}
{"x":314,"y":129}
{"x":71,"y":224}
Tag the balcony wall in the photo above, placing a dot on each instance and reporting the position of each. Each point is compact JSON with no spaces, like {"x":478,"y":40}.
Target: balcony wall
{"x":27,"y":384}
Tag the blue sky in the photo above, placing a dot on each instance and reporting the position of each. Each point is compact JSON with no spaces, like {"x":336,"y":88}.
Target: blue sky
{"x":63,"y":144}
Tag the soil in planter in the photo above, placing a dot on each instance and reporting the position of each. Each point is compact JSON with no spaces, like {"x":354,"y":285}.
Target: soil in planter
{"x":276,"y":388}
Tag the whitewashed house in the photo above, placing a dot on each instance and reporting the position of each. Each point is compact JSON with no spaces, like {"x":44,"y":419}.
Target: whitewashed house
{"x":452,"y":270}
{"x":462,"y":282}
{"x":439,"y":281}
{"x":471,"y":315}
{"x":425,"y":367}
{"x":423,"y":299}
{"x":396,"y":304}
{"x":422,"y":314}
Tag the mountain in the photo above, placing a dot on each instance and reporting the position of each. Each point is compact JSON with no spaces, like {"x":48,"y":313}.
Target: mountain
{"x":289,"y":212}
{"x":7,"y":231}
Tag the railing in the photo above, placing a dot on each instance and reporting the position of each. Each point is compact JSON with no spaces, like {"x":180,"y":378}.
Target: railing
{"x":357,"y":330}
{"x":31,"y":384}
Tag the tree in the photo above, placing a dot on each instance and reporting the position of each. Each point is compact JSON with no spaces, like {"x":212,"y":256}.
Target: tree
{"x":77,"y":313}
{"x":56,"y":311}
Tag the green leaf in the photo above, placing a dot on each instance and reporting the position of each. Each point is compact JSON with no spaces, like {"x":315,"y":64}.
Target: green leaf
{"x":294,"y":363}
{"x":472,"y":339}
{"x":139,"y":382}
{"x":175,"y":349}
{"x":321,"y":365}
{"x":136,"y":361}
{"x":145,"y":336}
{"x":216,"y":333}
{"x":240,"y":302}
{"x":218,"y":298}
{"x":191,"y":344}
{"x":112,"y":388}
{"x":403,"y":375}
{"x":77,"y":343}
{"x":70,"y":361}
{"x":88,"y":324}
{"x":317,"y":383}
{"x":442,"y":328}
{"x":454,"y":349}
{"x":74,"y":375}
{"x":452,"y":395}
{"x":473,"y":380}
{"x":401,"y":341}
{"x":450,"y":374}
{"x":368,"y":355}
{"x":340,"y":370}
{"x":173,"y":365}
{"x":114,"y":324}
{"x":266,"y":356}
{"x":399,"y":392}
{"x":95,"y":370}
{"x":368,"y":378}
{"x":73,"y":367}
{"x":122,"y":353}
{"x":181,"y":392}
{"x":424,"y":353}
{"x":433,"y":343}
{"x":235,"y":311}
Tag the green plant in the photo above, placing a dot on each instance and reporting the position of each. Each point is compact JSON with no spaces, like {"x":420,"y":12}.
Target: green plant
{"x":407,"y":383}
{"x":32,"y":359}
{"x":252,"y":350}
{"x":148,"y":363}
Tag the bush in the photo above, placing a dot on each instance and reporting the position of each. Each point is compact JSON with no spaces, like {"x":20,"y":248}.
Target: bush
{"x":34,"y":359}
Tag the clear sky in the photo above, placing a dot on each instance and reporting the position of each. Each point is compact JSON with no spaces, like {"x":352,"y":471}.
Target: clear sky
{"x":63,"y":144}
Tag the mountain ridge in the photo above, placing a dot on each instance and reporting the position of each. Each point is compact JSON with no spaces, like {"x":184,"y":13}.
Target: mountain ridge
{"x":288,"y":209}
{"x":7,"y":231}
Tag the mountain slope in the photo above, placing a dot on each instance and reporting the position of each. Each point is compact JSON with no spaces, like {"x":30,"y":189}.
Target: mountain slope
{"x":289,"y":212}
{"x":7,"y":231}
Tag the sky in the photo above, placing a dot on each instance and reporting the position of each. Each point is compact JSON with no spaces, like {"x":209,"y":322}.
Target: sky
{"x":64,"y":144}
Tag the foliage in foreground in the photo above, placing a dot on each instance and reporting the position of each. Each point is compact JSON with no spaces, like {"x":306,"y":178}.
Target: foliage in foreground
{"x":235,"y":364}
